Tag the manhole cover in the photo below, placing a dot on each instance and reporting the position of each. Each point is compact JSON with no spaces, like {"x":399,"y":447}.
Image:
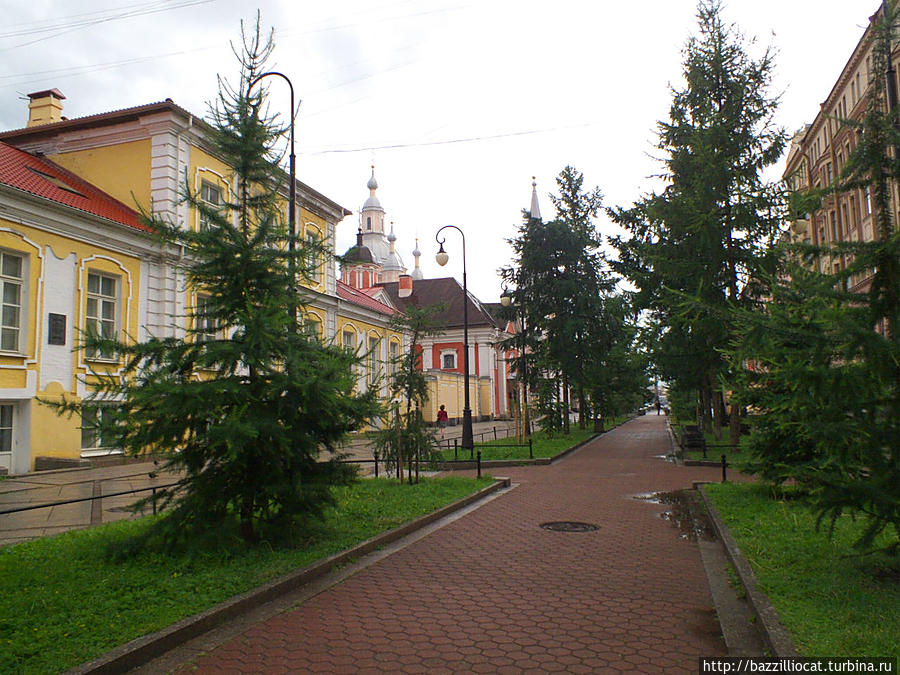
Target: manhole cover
{"x":569,"y":526}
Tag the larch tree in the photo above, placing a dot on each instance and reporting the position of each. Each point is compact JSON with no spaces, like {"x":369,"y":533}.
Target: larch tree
{"x":246,"y":408}
{"x":696,"y":250}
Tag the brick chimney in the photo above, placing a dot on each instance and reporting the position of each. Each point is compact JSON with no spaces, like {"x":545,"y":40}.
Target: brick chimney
{"x":45,"y":107}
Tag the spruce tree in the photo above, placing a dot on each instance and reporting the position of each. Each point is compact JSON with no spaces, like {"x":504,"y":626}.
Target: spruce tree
{"x":822,"y":364}
{"x":248,"y":418}
{"x":559,"y":285}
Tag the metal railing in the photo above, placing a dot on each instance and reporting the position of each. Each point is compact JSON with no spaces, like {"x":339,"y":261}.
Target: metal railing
{"x":76,"y":500}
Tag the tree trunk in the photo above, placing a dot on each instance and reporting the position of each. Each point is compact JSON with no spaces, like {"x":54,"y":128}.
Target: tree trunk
{"x":247,"y":532}
{"x":582,"y":408}
{"x":720,"y":413}
{"x":566,"y":405}
{"x":703,"y":420}
{"x":735,"y":426}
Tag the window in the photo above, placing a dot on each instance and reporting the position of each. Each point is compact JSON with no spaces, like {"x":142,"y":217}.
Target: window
{"x":372,"y":358}
{"x":829,"y":174}
{"x":448,"y":360}
{"x":92,"y":419}
{"x":211,"y":195}
{"x":6,"y":428}
{"x":204,"y":322}
{"x":395,"y":357}
{"x":12,"y":276}
{"x":101,"y":315}
{"x":312,"y":326}
{"x":834,"y":227}
{"x":348,"y":339}
{"x":313,"y":268}
{"x":868,"y":201}
{"x":368,"y":222}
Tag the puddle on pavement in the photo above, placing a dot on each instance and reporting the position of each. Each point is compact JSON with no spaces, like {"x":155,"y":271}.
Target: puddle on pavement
{"x":685,"y":511}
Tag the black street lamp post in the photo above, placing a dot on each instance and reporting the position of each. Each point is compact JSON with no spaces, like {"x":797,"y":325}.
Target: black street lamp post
{"x":292,"y":189}
{"x":442,"y":257}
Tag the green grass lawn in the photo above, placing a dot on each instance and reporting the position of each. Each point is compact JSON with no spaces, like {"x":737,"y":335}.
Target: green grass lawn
{"x":832,"y":600}
{"x":541,"y":445}
{"x":63,"y":602}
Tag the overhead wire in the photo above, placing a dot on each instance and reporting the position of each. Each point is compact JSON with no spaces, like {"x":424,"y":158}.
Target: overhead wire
{"x":115,"y":17}
{"x":469,"y":139}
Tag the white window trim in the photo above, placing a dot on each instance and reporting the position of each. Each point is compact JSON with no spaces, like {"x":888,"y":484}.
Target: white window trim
{"x":205,"y":333}
{"x":12,"y":428}
{"x":24,"y":284}
{"x":117,"y":319}
{"x":448,"y":352}
{"x":125,"y":300}
{"x":98,"y":450}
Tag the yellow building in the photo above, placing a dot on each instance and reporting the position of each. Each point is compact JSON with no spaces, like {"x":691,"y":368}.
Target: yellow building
{"x":139,"y":157}
{"x":71,"y":259}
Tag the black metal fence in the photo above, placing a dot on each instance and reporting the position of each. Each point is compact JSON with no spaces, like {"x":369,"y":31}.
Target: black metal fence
{"x":76,"y":500}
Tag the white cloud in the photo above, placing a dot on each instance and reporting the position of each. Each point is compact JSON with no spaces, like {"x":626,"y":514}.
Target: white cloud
{"x":592,"y":77}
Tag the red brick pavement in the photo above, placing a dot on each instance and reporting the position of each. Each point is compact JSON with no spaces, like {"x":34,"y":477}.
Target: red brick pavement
{"x":495,"y":593}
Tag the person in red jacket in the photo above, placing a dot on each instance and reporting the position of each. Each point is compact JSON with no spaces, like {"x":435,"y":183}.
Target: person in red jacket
{"x":442,"y":419}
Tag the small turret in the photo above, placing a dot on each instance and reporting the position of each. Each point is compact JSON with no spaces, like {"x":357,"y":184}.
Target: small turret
{"x":535,"y":207}
{"x":417,"y":272}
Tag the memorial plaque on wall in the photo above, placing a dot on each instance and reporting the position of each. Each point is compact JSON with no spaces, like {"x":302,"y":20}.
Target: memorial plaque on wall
{"x":57,"y":329}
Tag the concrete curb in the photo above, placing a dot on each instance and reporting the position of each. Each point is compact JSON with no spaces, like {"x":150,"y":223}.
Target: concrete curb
{"x":675,"y":446}
{"x":577,"y":446}
{"x":773,"y":631}
{"x":143,"y":649}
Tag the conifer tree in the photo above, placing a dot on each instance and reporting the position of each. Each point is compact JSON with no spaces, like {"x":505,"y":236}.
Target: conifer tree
{"x":559,"y":288}
{"x":697,"y":249}
{"x":250,"y":416}
{"x":822,"y":364}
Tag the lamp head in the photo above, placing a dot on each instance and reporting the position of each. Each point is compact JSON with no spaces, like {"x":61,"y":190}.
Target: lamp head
{"x":442,"y":256}
{"x":506,"y":298}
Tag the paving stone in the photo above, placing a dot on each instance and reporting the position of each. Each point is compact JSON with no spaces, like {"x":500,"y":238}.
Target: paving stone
{"x":494,"y":592}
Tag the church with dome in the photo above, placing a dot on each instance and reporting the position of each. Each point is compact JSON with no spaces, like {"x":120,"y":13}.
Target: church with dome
{"x":374,"y":268}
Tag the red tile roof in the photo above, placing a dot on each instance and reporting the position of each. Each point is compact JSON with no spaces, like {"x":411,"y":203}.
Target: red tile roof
{"x":356,"y":297}
{"x":41,"y":177}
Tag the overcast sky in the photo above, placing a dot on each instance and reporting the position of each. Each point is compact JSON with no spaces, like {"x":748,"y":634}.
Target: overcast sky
{"x":458,"y":103}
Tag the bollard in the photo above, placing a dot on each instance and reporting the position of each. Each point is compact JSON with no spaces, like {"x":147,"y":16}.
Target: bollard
{"x":479,"y":463}
{"x":154,"y":501}
{"x":495,"y":433}
{"x":455,"y":450}
{"x":376,"y":464}
{"x":724,"y":464}
{"x":530,"y":450}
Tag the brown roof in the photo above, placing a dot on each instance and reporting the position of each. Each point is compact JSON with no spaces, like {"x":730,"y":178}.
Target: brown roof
{"x":98,"y":120}
{"x":41,"y":177}
{"x":427,"y":292}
